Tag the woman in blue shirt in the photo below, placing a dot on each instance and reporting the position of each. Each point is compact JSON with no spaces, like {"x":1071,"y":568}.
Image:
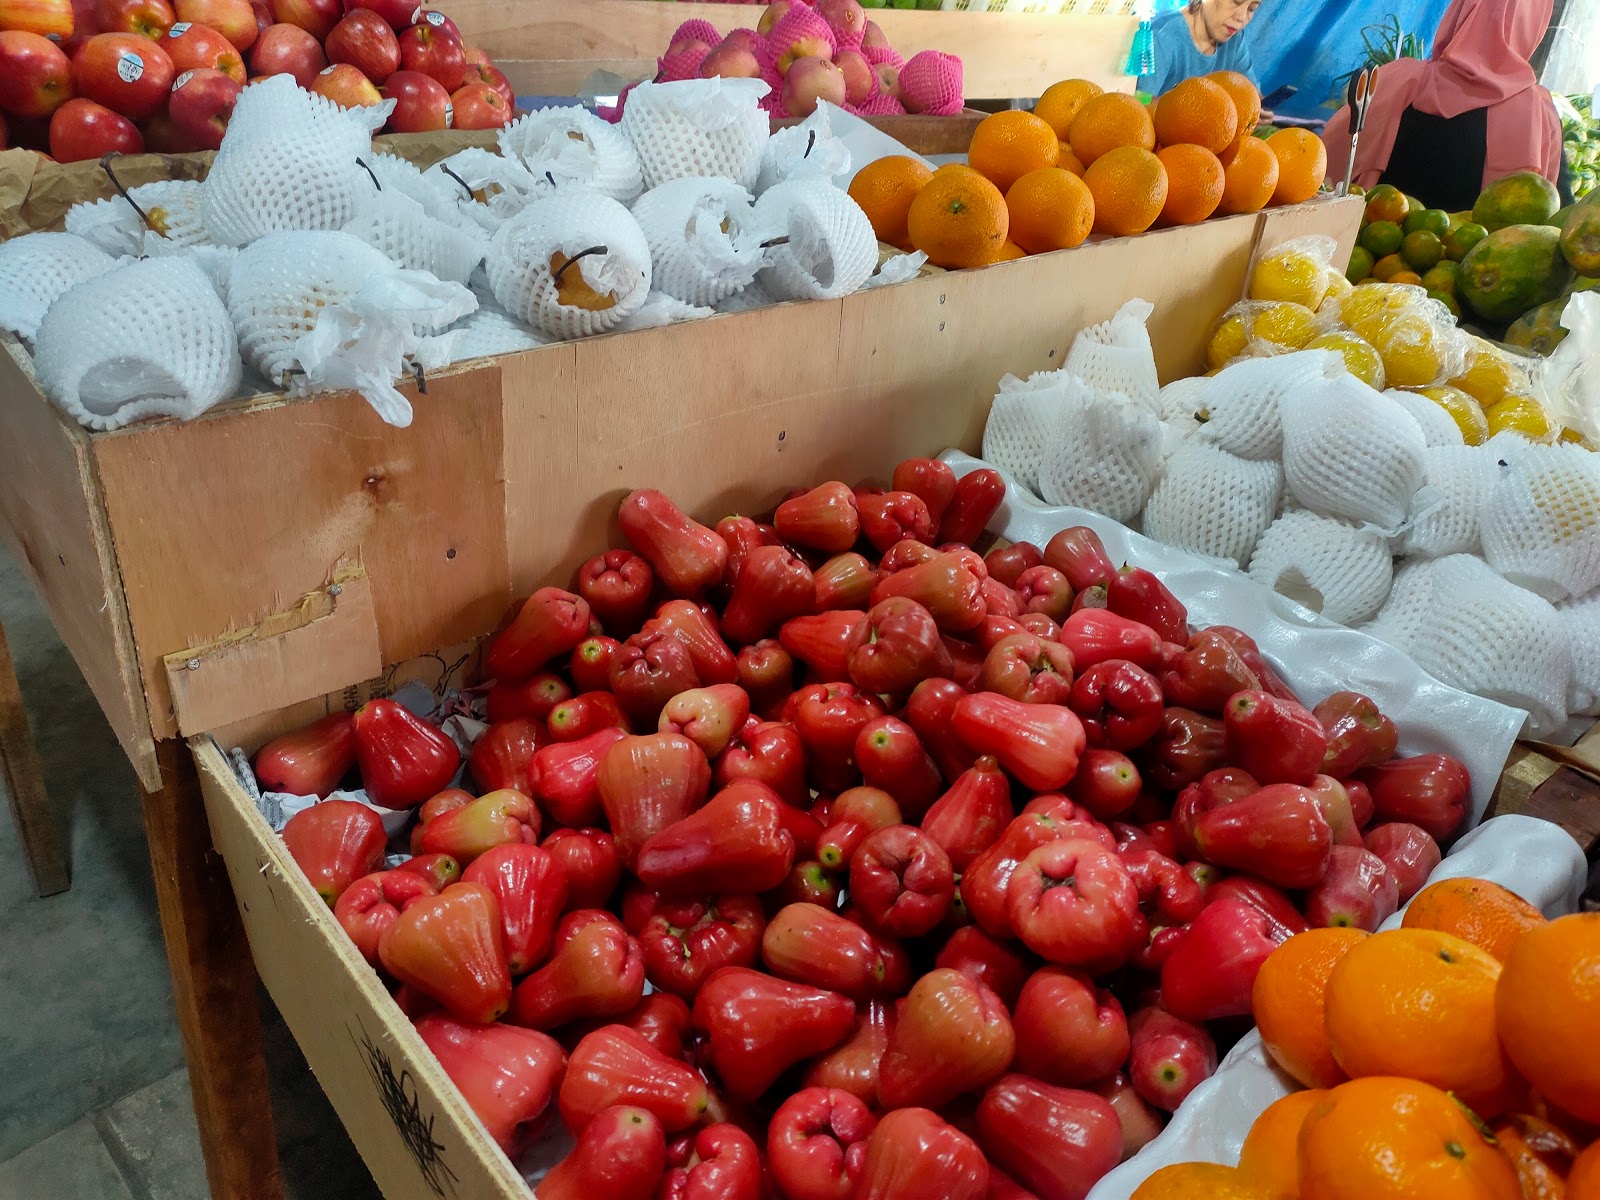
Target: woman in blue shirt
{"x":1198,"y":39}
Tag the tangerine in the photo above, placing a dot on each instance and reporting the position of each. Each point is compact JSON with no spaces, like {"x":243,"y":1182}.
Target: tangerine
{"x":1186,"y":1181}
{"x":1108,"y":121}
{"x":1584,"y":1182}
{"x":884,"y":189}
{"x":1194,"y":184}
{"x":1302,"y":164}
{"x":1129,"y":186}
{"x":1487,"y":915}
{"x":1246,"y":99}
{"x":1069,"y":161}
{"x":1541,"y":1153}
{"x":1386,"y":203}
{"x":1061,"y":102}
{"x":1547,"y":1009}
{"x":1250,"y":179}
{"x":958,"y":219}
{"x":1197,"y":112}
{"x":1289,"y":999}
{"x":1010,"y":252}
{"x":1050,"y":209}
{"x":1007,"y":145}
{"x":1271,"y":1151}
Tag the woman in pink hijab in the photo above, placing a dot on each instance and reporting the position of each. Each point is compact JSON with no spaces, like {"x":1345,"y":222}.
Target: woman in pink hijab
{"x":1442,"y":128}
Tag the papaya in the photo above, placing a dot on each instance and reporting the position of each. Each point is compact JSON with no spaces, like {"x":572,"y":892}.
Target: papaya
{"x":1539,"y":329}
{"x":1521,"y":198}
{"x":1580,"y":237}
{"x":1512,"y":270}
{"x":1559,"y":217}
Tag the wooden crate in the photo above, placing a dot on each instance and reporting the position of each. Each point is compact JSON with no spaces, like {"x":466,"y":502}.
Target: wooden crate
{"x":550,"y":47}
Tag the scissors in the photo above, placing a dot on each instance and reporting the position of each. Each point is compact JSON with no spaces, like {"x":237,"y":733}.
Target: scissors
{"x":1358,"y":95}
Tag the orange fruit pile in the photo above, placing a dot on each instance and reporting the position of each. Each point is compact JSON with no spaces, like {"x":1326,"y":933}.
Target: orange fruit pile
{"x":1476,"y":1010}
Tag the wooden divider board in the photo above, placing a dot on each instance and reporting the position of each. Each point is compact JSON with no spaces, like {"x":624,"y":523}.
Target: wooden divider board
{"x":549,"y":47}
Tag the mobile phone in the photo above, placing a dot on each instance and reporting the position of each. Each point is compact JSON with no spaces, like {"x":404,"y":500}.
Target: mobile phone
{"x":1279,"y":96}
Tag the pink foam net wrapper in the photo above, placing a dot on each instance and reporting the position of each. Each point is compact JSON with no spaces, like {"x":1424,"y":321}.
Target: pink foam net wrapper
{"x":801,"y":24}
{"x":931,"y":84}
{"x":883,"y":54}
{"x":685,"y":64}
{"x":880,"y":105}
{"x":697,"y":30}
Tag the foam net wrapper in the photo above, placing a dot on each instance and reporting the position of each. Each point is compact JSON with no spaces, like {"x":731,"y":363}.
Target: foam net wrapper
{"x":1023,"y":425}
{"x":1106,"y":454}
{"x":437,"y":193}
{"x":288,"y":161}
{"x":1115,"y":356}
{"x":402,"y":230}
{"x":38,"y":267}
{"x":698,"y":127}
{"x":1438,"y":427}
{"x":747,"y":300}
{"x":704,"y":242}
{"x":1473,"y":629}
{"x":571,"y":145}
{"x":831,"y":249}
{"x":568,"y":222}
{"x":492,"y":330}
{"x":804,"y":151}
{"x":149,"y":338}
{"x":1213,"y":503}
{"x":486,"y":189}
{"x":660,"y":309}
{"x":321,"y":311}
{"x":1351,"y":452}
{"x":1330,"y":566}
{"x":1243,"y":401}
{"x":1459,"y":477}
{"x":1582,"y":619}
{"x":1541,"y":518}
{"x":173,"y":207}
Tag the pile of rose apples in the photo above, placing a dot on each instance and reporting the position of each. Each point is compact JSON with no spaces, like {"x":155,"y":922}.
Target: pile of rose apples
{"x":826,"y":858}
{"x":83,"y":78}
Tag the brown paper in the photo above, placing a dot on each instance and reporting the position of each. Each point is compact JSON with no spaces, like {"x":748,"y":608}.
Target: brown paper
{"x":36,"y":191}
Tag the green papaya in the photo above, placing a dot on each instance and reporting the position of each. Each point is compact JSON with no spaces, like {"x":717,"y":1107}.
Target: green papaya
{"x":1580,"y":237}
{"x":1522,"y":198}
{"x":1512,"y":270}
{"x":1539,"y":329}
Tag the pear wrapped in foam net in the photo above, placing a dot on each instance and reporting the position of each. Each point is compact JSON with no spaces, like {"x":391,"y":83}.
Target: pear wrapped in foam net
{"x":1024,"y":423}
{"x":401,"y":228}
{"x":1541,"y":518}
{"x":1213,"y":502}
{"x":1351,"y":452}
{"x":1106,"y":453}
{"x":1330,"y":566}
{"x":148,"y":338}
{"x":827,"y":249}
{"x":698,"y":127}
{"x":1115,"y":356}
{"x":1438,"y":427}
{"x":1458,"y":478}
{"x":485,"y":188}
{"x":172,"y":217}
{"x":548,"y":237}
{"x":1242,"y":408}
{"x":36,"y":268}
{"x":704,"y":242}
{"x":570,"y":145}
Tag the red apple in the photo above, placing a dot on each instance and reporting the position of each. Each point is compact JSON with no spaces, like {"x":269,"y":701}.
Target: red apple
{"x":147,"y":18}
{"x":285,"y":49}
{"x":125,"y":72}
{"x":731,"y":61}
{"x":489,"y":74}
{"x":263,"y":15}
{"x":191,"y":47}
{"x":745,"y":39}
{"x":200,"y":105}
{"x":35,"y":76}
{"x":397,"y":14}
{"x":82,"y":129}
{"x":860,"y":80}
{"x":85,"y":24}
{"x":316,"y":17}
{"x":479,"y":106}
{"x":476,"y":57}
{"x":364,"y":40}
{"x":432,"y":16}
{"x":48,"y":18}
{"x":434,"y":52}
{"x":233,"y":19}
{"x":161,"y":136}
{"x":888,"y":79}
{"x":346,"y":86}
{"x":686,"y":45}
{"x":873,"y":37}
{"x":811,"y":79}
{"x":421,"y":103}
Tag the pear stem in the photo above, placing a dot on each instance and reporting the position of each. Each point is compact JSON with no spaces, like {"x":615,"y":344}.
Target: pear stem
{"x":362,"y":163}
{"x":465,"y":186}
{"x":580,"y":254}
{"x":105,"y":165}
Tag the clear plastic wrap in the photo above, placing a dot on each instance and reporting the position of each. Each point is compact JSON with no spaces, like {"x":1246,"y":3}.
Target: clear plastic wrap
{"x":1294,"y":271}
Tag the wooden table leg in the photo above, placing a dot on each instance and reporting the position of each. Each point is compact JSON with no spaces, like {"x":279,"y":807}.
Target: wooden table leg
{"x":30,"y":804}
{"x":213,"y":986}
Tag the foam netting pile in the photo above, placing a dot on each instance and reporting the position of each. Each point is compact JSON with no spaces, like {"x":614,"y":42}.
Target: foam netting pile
{"x":310,"y":261}
{"x":1367,"y":507}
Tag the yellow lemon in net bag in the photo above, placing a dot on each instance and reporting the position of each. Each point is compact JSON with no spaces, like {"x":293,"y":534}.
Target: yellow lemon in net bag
{"x":1369,"y":308}
{"x":1338,"y":288}
{"x":1490,"y":375}
{"x":1360,"y":359}
{"x":1229,"y":341}
{"x":1520,"y":414}
{"x":1463,"y":410}
{"x":1285,"y":324}
{"x":1289,"y":273}
{"x":1413,"y":350}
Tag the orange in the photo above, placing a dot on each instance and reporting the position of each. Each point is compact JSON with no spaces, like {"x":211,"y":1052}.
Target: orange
{"x":1584,"y":1182}
{"x":1246,"y":100}
{"x":1410,"y":277}
{"x":1542,"y":1154}
{"x":1061,"y":102}
{"x":1129,"y":186}
{"x":1302,"y":164}
{"x":1010,"y":252}
{"x":1069,"y":161}
{"x":1198,"y":112}
{"x":1484,"y":913}
{"x":1191,"y":1181}
{"x":1050,"y":209}
{"x":1194,"y":184}
{"x":1383,"y":1138}
{"x":1108,"y":121}
{"x":1288,"y":1000}
{"x":1250,"y":179}
{"x":1547,"y":1009}
{"x":1419,"y":1003}
{"x":1271,"y":1153}
{"x":884,"y":189}
{"x":958,"y":219}
{"x":1007,"y":145}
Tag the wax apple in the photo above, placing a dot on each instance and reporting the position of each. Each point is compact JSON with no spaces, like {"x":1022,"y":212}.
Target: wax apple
{"x":722,"y":1163}
{"x":127,"y":73}
{"x":621,"y":1154}
{"x":825,"y":641}
{"x":945,"y":585}
{"x":1044,"y":590}
{"x":1080,"y":555}
{"x":930,"y":711}
{"x":284,"y":49}
{"x":824,"y":518}
{"x":371,"y":904}
{"x":913,"y":1154}
{"x":1039,"y":744}
{"x":829,"y":717}
{"x":768,"y":752}
{"x":1024,"y":667}
{"x":647,"y":784}
{"x":614,"y":1066}
{"x":772,"y":585}
{"x":817,"y":1143}
{"x":448,"y":947}
{"x":1428,"y":790}
{"x":757,"y":1026}
{"x":708,"y":717}
{"x":853,"y":1065}
{"x":809,"y":944}
{"x":1001,"y":967}
{"x":1056,"y":1141}
{"x":530,"y":886}
{"x":952,"y":1036}
{"x":1141,"y":1124}
{"x":1098,"y":635}
{"x":713,"y":661}
{"x":1171,"y":1057}
{"x":970,"y":817}
{"x":1358,"y":892}
{"x":507,"y":1076}
{"x":1206,"y":673}
{"x":568,"y":777}
{"x":844,"y":581}
{"x":903,"y":648}
{"x":977,"y":498}
{"x":736,"y":842}
{"x":1277,"y":741}
{"x":1358,"y":734}
{"x":35,"y":76}
{"x":903,"y":880}
{"x":891,"y":757}
{"x":499,"y":818}
{"x":930,"y":480}
{"x":1074,"y":903}
{"x":1007,"y":563}
{"x":404,"y":760}
{"x":616,"y":584}
{"x":594,"y":868}
{"x":1211,"y":971}
{"x":684,"y":942}
{"x":595,"y":970}
{"x":577,"y":718}
{"x":309,"y":761}
{"x":335,"y":843}
{"x":1069,"y":1032}
{"x":1278,"y":834}
{"x":1409,"y":852}
{"x":1186,"y":746}
{"x":766,"y":673}
{"x":985,"y":884}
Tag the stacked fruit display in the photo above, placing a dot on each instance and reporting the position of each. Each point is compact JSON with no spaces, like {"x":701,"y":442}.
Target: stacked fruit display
{"x":1508,"y":265}
{"x":1438,"y":1059}
{"x":810,"y":50}
{"x":936,"y":863}
{"x":1086,"y":161}
{"x":121,"y":76}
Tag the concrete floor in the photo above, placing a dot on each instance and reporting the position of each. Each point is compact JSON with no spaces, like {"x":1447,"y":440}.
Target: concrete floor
{"x":94,"y":1100}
